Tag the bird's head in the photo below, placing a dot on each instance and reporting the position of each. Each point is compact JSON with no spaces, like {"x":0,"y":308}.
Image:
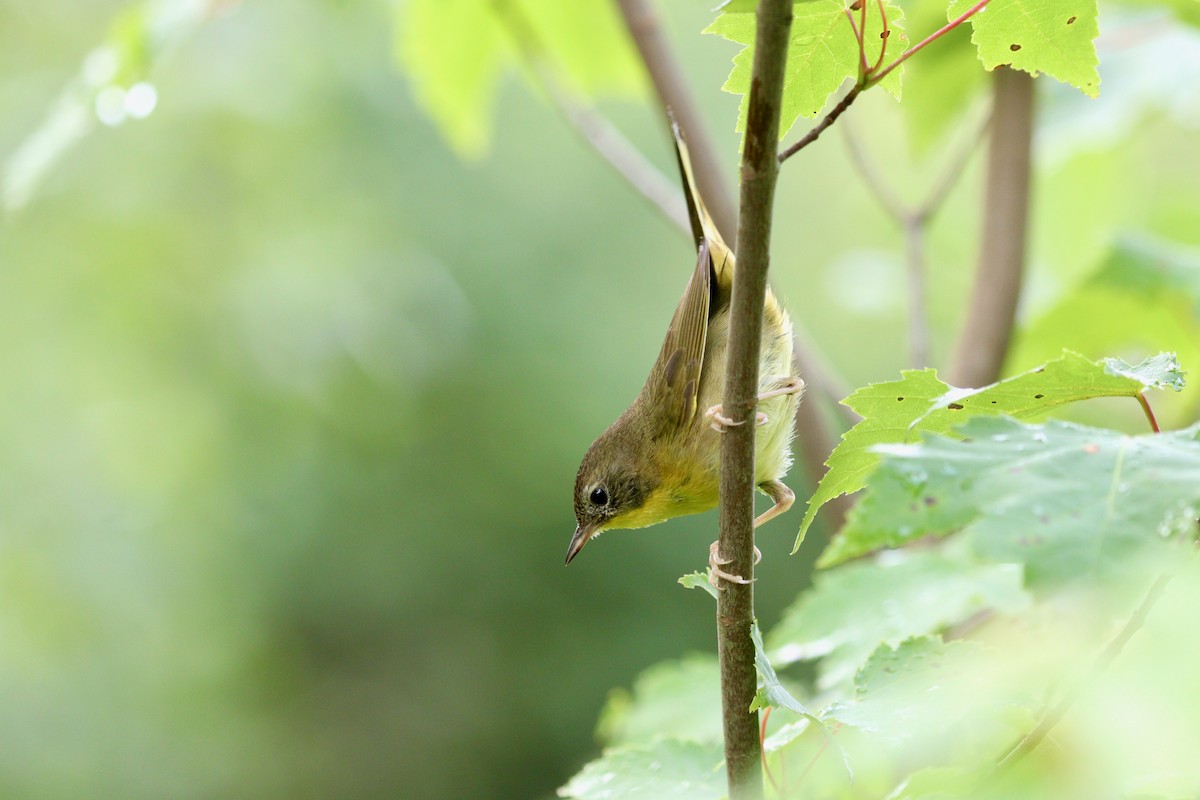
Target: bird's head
{"x":613,"y":488}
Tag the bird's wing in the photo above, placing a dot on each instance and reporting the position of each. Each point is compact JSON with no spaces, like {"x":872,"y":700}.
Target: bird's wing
{"x":673,"y":387}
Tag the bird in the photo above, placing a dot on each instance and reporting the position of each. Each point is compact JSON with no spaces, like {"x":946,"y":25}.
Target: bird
{"x":661,"y":458}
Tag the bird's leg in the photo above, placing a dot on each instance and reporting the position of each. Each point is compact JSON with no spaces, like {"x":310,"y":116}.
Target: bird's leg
{"x":720,"y":423}
{"x":783,"y":497}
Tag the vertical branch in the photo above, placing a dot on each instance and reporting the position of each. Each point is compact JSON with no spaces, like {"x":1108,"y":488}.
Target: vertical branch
{"x":735,"y":605}
{"x":987,"y":328}
{"x":673,"y":93}
{"x":667,"y":77}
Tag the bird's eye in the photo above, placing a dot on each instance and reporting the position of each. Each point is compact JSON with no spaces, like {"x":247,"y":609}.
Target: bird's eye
{"x":599,"y":496}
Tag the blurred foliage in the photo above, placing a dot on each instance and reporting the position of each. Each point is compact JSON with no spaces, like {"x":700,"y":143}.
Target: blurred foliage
{"x":293,"y":400}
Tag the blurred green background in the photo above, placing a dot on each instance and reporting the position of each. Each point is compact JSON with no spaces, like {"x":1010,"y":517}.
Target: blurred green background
{"x":293,"y":398}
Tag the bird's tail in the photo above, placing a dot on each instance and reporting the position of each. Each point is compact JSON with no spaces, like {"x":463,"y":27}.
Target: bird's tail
{"x":703,"y":226}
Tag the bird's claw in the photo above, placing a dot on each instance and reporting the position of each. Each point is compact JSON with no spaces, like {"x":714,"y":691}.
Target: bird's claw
{"x":715,"y":562}
{"x":721,"y":423}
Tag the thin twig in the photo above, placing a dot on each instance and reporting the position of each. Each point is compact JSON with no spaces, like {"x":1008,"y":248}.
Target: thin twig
{"x":869,"y":76}
{"x":735,"y":605}
{"x":829,"y":119}
{"x":930,"y":39}
{"x":1148,"y":411}
{"x":858,"y":37}
{"x":592,"y":126}
{"x":1106,"y":657}
{"x":762,"y":740}
{"x":884,"y":35}
{"x":674,"y":93}
{"x":862,"y":37}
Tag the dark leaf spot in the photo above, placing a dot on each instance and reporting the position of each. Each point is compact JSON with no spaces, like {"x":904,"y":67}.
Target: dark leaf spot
{"x":993,"y":402}
{"x":1039,"y":370}
{"x":1071,"y":21}
{"x":884,"y":34}
{"x":955,"y":407}
{"x":899,"y":398}
{"x":1014,"y":47}
{"x":930,"y":501}
{"x":1038,"y":396}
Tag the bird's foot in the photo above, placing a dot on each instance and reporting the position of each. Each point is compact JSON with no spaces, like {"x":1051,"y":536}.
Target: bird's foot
{"x":721,"y":423}
{"x":715,"y":562}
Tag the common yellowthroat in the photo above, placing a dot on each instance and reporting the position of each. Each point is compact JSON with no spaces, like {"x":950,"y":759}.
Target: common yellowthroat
{"x":661,"y":458}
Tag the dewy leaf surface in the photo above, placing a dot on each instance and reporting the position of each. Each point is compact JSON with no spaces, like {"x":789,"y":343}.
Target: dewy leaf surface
{"x":899,"y":411}
{"x":822,"y":53}
{"x":1051,"y":36}
{"x":1068,"y":501}
{"x":852,"y":610}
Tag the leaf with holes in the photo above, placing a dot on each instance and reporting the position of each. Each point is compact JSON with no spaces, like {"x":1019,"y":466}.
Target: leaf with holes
{"x":899,"y":411}
{"x":822,"y":53}
{"x":1051,"y":36}
{"x":1068,"y":501}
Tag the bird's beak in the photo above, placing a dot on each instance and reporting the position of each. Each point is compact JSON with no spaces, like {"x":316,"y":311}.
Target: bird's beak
{"x":582,"y":534}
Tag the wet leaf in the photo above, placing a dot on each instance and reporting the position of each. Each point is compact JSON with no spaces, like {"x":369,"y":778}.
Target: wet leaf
{"x":1068,"y":501}
{"x":899,"y":411}
{"x":666,"y":769}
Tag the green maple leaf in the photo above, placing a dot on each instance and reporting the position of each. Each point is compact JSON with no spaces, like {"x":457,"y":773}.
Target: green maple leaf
{"x":822,"y":53}
{"x":1066,"y":500}
{"x":898,"y":411}
{"x":1051,"y":36}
